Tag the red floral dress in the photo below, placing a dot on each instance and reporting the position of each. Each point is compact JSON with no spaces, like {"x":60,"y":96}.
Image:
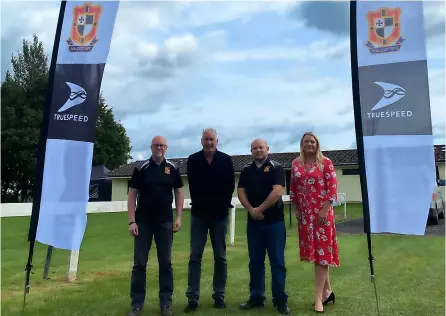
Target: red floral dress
{"x":309,"y":188}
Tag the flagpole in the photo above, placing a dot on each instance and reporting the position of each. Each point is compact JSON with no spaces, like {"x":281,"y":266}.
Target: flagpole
{"x":359,"y":139}
{"x":41,"y":153}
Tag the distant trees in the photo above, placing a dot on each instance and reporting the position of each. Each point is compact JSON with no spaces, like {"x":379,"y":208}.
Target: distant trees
{"x":23,"y":99}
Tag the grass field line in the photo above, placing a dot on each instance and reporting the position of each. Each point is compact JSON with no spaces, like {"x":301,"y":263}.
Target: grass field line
{"x":409,"y":271}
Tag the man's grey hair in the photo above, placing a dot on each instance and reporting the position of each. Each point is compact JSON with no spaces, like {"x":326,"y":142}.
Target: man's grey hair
{"x":209,"y":129}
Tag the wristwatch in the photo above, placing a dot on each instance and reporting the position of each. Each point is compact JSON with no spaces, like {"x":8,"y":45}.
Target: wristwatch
{"x":132,"y":222}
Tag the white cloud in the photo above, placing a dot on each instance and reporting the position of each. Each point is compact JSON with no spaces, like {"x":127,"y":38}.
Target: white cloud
{"x":175,"y":68}
{"x":147,"y":50}
{"x":321,"y":49}
{"x":213,"y":12}
{"x":434,"y":16}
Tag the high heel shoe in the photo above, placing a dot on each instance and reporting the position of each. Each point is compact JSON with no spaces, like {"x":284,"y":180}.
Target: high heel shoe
{"x":330,"y":298}
{"x":316,"y":311}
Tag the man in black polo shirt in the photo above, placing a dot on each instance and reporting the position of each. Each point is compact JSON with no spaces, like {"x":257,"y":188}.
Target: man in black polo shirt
{"x":211,"y":179}
{"x":151,"y":185}
{"x":260,"y":190}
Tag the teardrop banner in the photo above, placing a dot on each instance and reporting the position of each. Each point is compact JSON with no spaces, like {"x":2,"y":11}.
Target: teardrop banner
{"x":64,"y":160}
{"x":393,"y":115}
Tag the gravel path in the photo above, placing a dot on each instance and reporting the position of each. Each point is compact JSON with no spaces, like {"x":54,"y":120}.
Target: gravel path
{"x":356,"y":226}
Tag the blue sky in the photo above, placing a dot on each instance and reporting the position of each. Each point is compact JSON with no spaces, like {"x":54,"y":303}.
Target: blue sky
{"x":249,"y":69}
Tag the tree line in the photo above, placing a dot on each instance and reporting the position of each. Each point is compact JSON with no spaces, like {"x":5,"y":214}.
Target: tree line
{"x":23,"y":99}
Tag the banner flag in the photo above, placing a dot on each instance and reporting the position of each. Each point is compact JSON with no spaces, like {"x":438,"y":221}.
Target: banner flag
{"x":392,"y":110}
{"x":60,"y":217}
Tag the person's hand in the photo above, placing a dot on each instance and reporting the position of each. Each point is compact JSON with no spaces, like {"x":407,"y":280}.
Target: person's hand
{"x":257,"y":214}
{"x":297,"y":212}
{"x":177,"y":225}
{"x":323,"y":215}
{"x":133,"y":228}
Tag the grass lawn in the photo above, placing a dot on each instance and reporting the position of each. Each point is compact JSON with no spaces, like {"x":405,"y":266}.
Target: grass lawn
{"x":409,"y":271}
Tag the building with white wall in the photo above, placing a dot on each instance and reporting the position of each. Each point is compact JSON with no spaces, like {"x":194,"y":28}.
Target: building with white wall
{"x":345,"y":162}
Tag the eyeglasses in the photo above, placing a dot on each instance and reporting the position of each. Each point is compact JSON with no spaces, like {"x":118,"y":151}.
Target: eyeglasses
{"x":159,"y":145}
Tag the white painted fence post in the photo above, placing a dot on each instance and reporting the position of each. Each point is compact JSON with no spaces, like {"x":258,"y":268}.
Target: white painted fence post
{"x":345,"y":205}
{"x":232,"y":231}
{"x":72,"y":267}
{"x":342,"y":198}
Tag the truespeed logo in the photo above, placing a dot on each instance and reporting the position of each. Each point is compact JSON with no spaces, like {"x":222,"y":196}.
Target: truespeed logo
{"x":391,"y":94}
{"x":78,"y":95}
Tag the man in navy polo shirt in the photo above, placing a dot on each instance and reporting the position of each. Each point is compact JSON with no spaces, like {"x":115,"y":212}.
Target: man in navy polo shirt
{"x":260,"y":190}
{"x":151,"y":186}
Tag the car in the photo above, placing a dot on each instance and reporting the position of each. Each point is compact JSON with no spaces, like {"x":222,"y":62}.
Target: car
{"x":437,"y":209}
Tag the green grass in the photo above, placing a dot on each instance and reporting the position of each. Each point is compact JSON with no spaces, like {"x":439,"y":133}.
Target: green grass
{"x":409,"y":271}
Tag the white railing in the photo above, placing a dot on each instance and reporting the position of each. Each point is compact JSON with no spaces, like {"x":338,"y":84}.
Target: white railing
{"x":24,"y":209}
{"x":342,"y":199}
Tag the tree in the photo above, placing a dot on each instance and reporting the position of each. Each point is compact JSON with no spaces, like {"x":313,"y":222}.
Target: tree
{"x":23,"y":97}
{"x":112,"y":146}
{"x":23,"y":100}
{"x":31,"y":64}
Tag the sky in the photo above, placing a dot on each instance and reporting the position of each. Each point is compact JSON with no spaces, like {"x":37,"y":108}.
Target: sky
{"x":272,"y":70}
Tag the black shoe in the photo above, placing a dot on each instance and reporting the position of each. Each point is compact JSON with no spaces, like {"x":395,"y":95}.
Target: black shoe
{"x":166,"y":311}
{"x":282,"y":308}
{"x":191,"y":307}
{"x":250,"y":305}
{"x":136,"y":311}
{"x":219,"y":303}
{"x":330,"y":298}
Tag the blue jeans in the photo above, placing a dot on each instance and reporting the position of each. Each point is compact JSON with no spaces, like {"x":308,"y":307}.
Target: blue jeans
{"x":266,"y":237}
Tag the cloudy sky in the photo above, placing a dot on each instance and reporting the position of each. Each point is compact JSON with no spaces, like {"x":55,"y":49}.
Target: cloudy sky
{"x":248,"y":69}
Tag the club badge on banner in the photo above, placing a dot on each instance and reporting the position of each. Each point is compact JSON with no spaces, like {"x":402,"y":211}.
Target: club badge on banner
{"x":84,"y":46}
{"x":395,"y":114}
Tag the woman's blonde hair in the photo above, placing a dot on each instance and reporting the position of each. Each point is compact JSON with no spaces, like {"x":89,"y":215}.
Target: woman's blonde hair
{"x":319,"y":155}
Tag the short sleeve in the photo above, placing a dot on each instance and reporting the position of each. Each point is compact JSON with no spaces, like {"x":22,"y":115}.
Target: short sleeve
{"x":178,"y":181}
{"x":279,"y":176}
{"x":242,"y":180}
{"x":135,"y":180}
{"x":331,"y":182}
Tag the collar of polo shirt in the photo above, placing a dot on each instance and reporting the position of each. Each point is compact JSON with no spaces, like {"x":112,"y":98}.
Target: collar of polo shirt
{"x":264,"y":164}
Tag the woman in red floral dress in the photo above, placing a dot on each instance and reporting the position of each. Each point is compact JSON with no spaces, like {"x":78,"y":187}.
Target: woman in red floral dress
{"x":313,"y":189}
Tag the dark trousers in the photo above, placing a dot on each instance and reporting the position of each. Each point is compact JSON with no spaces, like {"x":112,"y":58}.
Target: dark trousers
{"x":143,"y":242}
{"x":217,"y":232}
{"x":266,"y":237}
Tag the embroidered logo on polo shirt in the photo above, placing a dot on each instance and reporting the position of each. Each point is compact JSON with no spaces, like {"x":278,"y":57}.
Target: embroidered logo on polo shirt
{"x":167,"y":170}
{"x":266,"y":169}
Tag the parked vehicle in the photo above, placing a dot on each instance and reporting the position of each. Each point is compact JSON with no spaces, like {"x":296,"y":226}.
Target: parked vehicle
{"x":437,"y":208}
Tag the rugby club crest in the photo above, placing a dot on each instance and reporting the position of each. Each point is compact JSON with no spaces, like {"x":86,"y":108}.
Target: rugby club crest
{"x":384,"y":30}
{"x":84,"y":27}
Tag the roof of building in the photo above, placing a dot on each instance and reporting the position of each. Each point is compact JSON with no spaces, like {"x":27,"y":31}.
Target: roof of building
{"x":98,"y":172}
{"x":339,"y":157}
